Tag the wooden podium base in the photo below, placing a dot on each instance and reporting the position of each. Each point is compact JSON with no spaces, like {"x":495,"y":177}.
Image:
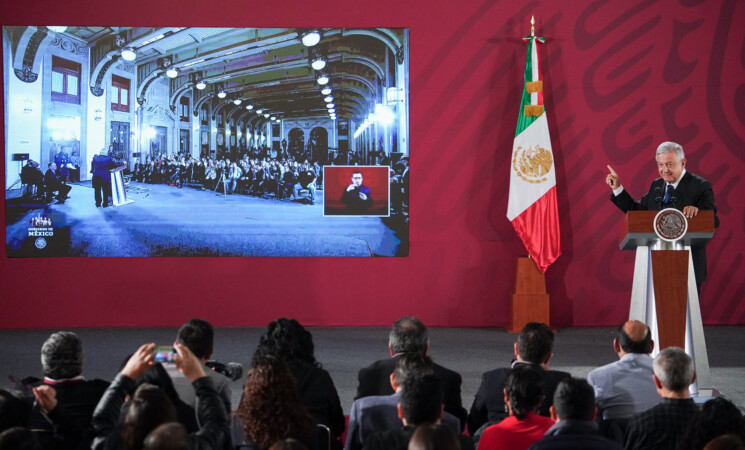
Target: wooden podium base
{"x":530,"y":300}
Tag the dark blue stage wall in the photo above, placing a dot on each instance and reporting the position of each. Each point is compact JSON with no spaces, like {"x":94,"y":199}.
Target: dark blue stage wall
{"x":620,"y":77}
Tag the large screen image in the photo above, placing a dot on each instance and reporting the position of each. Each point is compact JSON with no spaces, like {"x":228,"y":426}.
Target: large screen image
{"x":188,"y":141}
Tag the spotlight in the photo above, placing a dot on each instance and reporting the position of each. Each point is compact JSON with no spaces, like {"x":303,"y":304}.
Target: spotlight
{"x":249,"y":107}
{"x":201,"y":85}
{"x":172,"y":72}
{"x":266,"y":116}
{"x":221,"y":94}
{"x":318,"y":63}
{"x":328,"y":99}
{"x":323,"y":79}
{"x":326,"y":90}
{"x":259,"y":111}
{"x":329,"y":105}
{"x":311,"y":38}
{"x":128,"y":54}
{"x":237,"y":101}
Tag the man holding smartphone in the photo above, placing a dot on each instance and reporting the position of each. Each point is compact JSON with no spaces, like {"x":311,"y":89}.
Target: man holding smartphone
{"x":198,"y":336}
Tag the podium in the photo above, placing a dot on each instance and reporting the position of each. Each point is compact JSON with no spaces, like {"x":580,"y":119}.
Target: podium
{"x":118,"y":193}
{"x":664,"y":293}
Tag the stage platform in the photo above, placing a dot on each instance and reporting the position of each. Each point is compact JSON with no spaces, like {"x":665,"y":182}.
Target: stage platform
{"x":343,"y":351}
{"x":170,"y":221}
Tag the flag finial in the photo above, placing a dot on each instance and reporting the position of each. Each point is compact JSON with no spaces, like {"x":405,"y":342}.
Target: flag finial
{"x":532,"y":26}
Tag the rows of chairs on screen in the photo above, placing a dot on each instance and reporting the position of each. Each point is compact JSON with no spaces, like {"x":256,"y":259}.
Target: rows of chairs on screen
{"x":180,"y":398}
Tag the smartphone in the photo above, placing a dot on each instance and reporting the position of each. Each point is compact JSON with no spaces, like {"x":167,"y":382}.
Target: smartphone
{"x":164,"y":354}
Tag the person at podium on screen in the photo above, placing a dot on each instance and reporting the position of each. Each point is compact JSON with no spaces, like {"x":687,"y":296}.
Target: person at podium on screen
{"x":676,"y":188}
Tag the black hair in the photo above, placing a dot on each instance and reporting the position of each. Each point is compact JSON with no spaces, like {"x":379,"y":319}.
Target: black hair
{"x":19,"y":438}
{"x":434,"y":436}
{"x":717,"y":417}
{"x":62,"y":355}
{"x":535,"y":342}
{"x":524,"y":387}
{"x":288,"y":341}
{"x":14,"y":412}
{"x":149,"y":407}
{"x":408,"y":335}
{"x":410,"y":364}
{"x":629,"y":345}
{"x":198,"y":336}
{"x":574,"y":399}
{"x":421,"y":398}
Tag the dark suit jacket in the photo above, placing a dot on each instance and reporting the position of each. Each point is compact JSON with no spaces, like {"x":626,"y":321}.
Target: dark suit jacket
{"x":399,"y":440}
{"x":575,"y":435}
{"x":375,"y":380}
{"x":489,"y":406}
{"x":691,"y":191}
{"x":319,"y":395}
{"x":370,"y":415}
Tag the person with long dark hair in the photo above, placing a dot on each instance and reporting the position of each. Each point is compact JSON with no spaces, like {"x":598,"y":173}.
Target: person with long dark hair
{"x":270,"y":409}
{"x":289,"y":341}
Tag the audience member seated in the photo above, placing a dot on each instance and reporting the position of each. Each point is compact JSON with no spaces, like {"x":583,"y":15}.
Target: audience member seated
{"x":434,"y":436}
{"x":32,"y":177}
{"x":377,"y":413}
{"x":625,"y":387}
{"x":14,"y":412}
{"x":718,"y":417}
{"x":75,"y":397}
{"x":198,"y":336}
{"x":53,"y":182}
{"x":288,"y":341}
{"x":306,"y":179}
{"x":534,"y":347}
{"x":270,"y":409}
{"x":19,"y":438}
{"x":150,"y":407}
{"x":523,"y":394}
{"x":421,"y":403}
{"x":574,"y":412}
{"x":409,"y":335}
{"x":664,"y":425}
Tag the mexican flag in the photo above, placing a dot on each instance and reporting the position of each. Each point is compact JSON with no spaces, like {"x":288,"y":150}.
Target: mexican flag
{"x":532,"y":206}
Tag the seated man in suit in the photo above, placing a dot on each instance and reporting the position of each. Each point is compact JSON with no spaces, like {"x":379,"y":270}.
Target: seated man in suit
{"x":380,"y":412}
{"x":53,"y":181}
{"x":534,"y":346}
{"x":420,"y":403}
{"x":409,"y":335}
{"x":574,"y":413}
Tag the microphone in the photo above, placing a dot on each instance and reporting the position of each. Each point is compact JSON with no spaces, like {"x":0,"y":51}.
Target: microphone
{"x":232,"y":370}
{"x":658,"y":191}
{"x":672,"y":201}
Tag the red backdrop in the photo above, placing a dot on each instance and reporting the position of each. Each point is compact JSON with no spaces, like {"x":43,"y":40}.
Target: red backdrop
{"x":620,"y":77}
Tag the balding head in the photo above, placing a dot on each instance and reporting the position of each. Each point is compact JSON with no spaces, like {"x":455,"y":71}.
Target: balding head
{"x":168,"y":436}
{"x":633,"y":337}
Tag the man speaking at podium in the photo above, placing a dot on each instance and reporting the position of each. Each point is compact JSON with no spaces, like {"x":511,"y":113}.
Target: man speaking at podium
{"x":676,"y":188}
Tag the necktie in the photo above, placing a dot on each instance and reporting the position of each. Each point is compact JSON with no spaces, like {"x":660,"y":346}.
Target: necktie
{"x":668,"y":194}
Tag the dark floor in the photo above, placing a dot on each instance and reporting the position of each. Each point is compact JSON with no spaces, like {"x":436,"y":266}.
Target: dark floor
{"x":343,"y":351}
{"x":167,"y":221}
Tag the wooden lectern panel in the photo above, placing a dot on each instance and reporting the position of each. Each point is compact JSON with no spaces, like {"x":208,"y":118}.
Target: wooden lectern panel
{"x":670,"y":277}
{"x":530,"y":300}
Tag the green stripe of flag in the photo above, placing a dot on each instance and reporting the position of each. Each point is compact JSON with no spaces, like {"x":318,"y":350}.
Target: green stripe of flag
{"x":524,"y":122}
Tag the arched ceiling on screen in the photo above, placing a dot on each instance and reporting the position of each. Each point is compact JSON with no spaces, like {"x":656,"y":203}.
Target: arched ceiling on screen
{"x":269,"y":68}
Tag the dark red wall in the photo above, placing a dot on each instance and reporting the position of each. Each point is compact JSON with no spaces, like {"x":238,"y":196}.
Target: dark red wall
{"x":620,"y":78}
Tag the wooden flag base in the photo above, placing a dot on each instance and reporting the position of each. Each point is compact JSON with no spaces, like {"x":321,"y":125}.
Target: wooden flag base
{"x":530,"y":300}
